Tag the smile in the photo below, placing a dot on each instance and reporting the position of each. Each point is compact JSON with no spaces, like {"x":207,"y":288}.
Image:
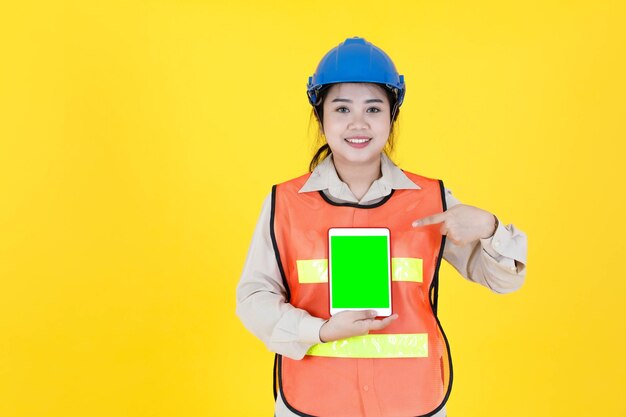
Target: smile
{"x":357,"y":140}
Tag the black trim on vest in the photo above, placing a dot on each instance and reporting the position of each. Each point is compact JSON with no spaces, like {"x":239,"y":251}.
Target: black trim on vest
{"x":434,"y":295}
{"x":435,"y":288}
{"x":274,"y":376}
{"x":282,"y":392}
{"x":356,"y":205}
{"x":275,"y":245}
{"x":277,"y":357}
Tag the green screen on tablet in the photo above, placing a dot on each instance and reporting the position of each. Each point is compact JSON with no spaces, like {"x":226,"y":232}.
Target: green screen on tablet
{"x":359,"y":268}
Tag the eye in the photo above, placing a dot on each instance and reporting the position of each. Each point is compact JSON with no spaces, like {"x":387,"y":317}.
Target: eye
{"x":342,"y":109}
{"x":374,"y":110}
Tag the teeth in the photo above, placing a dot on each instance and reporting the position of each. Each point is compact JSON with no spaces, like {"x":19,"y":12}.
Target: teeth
{"x":358,"y":140}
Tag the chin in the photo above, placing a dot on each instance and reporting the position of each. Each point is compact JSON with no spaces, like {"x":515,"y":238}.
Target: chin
{"x":360,"y":159}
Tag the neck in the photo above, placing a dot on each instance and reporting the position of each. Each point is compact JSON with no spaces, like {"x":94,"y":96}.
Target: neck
{"x":358,"y":176}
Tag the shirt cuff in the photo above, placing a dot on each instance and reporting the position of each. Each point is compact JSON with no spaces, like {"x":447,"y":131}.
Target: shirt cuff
{"x":494,"y":245}
{"x":310,"y":329}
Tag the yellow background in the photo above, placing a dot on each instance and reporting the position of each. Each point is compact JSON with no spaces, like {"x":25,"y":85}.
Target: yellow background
{"x":138,"y":140}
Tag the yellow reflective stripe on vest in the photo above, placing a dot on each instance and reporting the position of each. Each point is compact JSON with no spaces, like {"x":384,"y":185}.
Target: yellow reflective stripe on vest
{"x":312,"y":271}
{"x":315,"y":271}
{"x":407,"y":269}
{"x":375,"y":346}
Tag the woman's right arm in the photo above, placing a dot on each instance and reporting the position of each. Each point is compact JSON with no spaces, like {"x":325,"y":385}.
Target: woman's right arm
{"x":261,"y":302}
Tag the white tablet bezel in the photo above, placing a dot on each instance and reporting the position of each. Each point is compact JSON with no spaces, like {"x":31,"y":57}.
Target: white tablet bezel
{"x":359,"y":231}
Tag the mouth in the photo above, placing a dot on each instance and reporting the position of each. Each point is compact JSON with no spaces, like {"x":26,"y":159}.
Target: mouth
{"x":358,"y":140}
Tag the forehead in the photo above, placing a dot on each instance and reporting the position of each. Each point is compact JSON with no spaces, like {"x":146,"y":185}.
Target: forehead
{"x":357,"y":90}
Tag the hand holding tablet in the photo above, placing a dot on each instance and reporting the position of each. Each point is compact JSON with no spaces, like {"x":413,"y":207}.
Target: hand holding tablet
{"x":353,"y":323}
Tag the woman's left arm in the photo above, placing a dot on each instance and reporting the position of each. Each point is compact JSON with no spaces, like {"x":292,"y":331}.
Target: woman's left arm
{"x":480,"y":247}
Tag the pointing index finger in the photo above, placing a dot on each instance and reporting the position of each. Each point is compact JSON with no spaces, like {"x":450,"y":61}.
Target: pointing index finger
{"x":428,"y":220}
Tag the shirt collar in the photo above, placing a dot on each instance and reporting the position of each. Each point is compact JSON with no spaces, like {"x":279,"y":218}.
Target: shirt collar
{"x":324,"y":177}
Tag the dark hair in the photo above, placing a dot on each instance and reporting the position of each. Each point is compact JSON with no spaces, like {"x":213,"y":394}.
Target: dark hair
{"x":317,"y":113}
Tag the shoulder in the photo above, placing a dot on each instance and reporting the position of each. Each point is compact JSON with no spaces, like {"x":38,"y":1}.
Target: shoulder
{"x":423,"y":181}
{"x":294,"y":183}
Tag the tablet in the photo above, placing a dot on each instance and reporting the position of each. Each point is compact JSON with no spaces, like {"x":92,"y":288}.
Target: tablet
{"x":359,"y":270}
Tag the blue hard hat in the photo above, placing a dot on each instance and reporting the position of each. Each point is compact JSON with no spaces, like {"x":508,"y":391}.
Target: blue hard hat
{"x":356,"y":60}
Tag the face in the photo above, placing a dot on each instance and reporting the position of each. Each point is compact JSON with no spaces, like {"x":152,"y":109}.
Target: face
{"x":356,"y":122}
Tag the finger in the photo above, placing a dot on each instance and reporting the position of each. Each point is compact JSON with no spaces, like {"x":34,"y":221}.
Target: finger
{"x":362,"y":327}
{"x":461,"y":242}
{"x":434,"y":219}
{"x":456,"y":238}
{"x":381,"y":324}
{"x":391,"y":318}
{"x":362,"y":314}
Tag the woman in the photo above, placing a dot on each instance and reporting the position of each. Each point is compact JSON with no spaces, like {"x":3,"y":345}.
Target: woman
{"x":401,"y":366}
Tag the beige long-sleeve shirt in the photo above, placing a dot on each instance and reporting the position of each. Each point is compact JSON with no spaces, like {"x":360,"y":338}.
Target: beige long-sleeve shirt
{"x":498,"y":262}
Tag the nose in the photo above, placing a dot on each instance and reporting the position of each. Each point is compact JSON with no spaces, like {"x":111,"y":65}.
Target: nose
{"x":358,"y":121}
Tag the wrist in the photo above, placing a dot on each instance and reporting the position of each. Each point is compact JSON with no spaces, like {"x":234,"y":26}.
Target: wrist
{"x":493,"y":227}
{"x":322,"y":333}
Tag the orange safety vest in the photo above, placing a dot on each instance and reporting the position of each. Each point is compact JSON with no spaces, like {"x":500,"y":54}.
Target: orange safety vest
{"x":402,"y":370}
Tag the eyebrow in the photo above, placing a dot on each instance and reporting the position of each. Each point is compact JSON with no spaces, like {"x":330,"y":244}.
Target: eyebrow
{"x":371,"y":100}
